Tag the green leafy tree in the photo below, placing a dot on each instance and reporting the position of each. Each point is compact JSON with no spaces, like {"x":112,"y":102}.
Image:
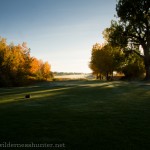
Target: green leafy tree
{"x":94,"y":64}
{"x":105,"y":59}
{"x":133,"y":67}
{"x":132,"y":29}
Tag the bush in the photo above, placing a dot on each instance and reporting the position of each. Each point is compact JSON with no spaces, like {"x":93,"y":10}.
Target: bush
{"x":132,"y":71}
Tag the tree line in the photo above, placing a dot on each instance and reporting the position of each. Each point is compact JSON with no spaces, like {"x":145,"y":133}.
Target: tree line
{"x":126,"y":38}
{"x":107,"y":59}
{"x":17,"y":67}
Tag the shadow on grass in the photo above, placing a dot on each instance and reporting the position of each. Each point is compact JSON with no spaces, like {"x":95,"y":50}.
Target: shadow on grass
{"x":84,"y":115}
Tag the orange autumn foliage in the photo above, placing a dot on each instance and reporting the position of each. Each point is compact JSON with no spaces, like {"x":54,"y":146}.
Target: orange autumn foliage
{"x":17,"y":66}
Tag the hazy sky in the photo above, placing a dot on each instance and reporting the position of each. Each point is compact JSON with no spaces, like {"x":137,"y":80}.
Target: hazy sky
{"x":61,"y":32}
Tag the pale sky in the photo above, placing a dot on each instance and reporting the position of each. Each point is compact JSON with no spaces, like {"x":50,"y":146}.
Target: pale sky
{"x":61,"y":32}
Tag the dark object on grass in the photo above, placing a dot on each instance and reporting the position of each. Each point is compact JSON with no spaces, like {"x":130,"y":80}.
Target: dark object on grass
{"x":27,"y":96}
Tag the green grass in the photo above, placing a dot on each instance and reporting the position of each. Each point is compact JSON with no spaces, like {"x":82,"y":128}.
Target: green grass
{"x":84,"y":115}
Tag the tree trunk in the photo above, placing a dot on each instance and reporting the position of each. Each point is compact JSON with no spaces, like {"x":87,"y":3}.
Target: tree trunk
{"x":147,"y":68}
{"x":147,"y":77}
{"x":97,"y":76}
{"x":147,"y":63}
{"x":107,"y":76}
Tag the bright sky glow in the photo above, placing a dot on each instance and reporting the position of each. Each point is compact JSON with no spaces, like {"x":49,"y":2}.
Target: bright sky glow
{"x":61,"y":32}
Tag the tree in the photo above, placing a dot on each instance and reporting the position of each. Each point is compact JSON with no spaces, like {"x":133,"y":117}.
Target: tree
{"x":133,"y":66}
{"x":35,"y":66}
{"x":17,"y":67}
{"x":14,"y":63}
{"x":115,"y":35}
{"x":133,"y":28}
{"x":94,"y":64}
{"x":105,"y":59}
{"x":40,"y":70}
{"x":46,"y":70}
{"x":4,"y":56}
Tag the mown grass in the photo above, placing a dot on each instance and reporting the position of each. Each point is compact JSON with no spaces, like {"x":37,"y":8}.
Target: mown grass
{"x":84,"y":115}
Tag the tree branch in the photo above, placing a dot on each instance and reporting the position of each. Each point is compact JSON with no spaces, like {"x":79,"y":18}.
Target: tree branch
{"x":133,"y":51}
